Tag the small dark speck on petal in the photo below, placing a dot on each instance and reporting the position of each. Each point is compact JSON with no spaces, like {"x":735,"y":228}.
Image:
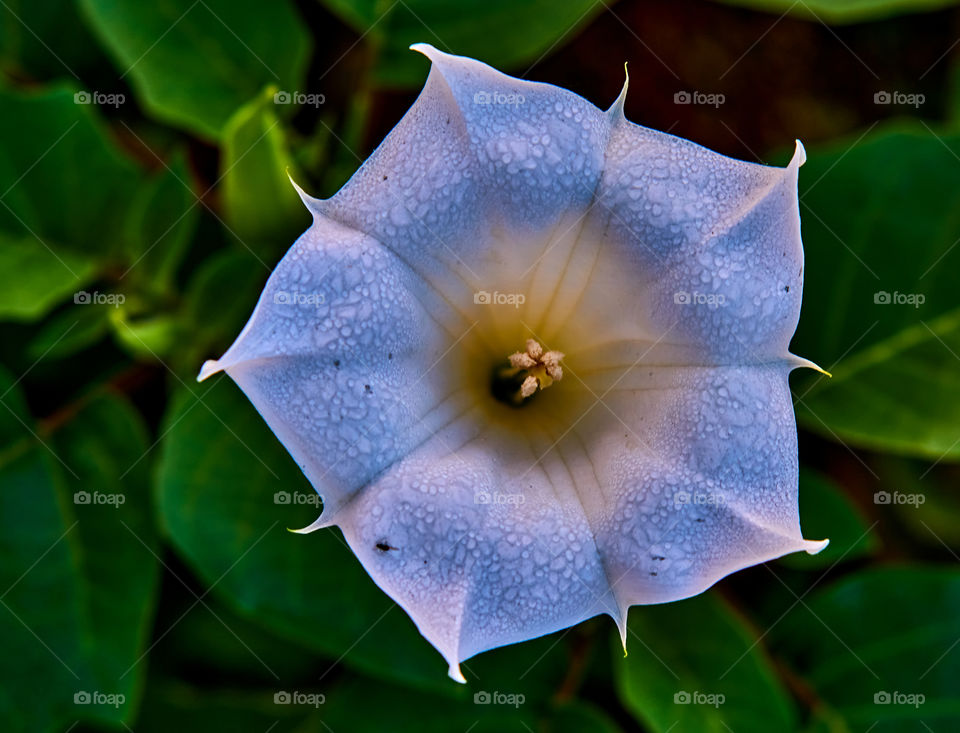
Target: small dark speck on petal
{"x":390,"y":355}
{"x":652,"y":573}
{"x":336,"y":363}
{"x":384,"y":178}
{"x":384,"y":547}
{"x":786,"y":288}
{"x":366,"y":388}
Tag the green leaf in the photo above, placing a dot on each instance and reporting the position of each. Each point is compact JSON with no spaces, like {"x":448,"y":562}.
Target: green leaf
{"x":260,"y":204}
{"x":69,"y":331}
{"x":160,"y":226}
{"x":843,"y":11}
{"x":64,"y":181}
{"x":880,"y":218}
{"x":79,"y":580}
{"x":891,"y":631}
{"x":44,"y":39}
{"x":220,"y":470}
{"x":503,"y":33}
{"x":694,"y":665}
{"x":219,"y":299}
{"x":194,"y":63}
{"x":33,"y":279}
{"x":827,"y":513}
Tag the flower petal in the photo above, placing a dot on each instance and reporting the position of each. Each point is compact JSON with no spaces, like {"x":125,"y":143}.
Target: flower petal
{"x":329,"y":356}
{"x":714,"y":242}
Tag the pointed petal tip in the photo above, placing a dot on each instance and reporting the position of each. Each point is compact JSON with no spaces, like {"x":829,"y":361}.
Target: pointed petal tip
{"x":313,"y":204}
{"x":455,"y":674}
{"x":799,"y":154}
{"x":812,"y":547}
{"x":427,"y":50}
{"x":616,"y":109}
{"x":209,"y":368}
{"x":318,"y":523}
{"x":798,"y":362}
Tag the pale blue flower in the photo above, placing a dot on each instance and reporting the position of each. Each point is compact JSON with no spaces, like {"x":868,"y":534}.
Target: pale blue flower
{"x":657,"y":449}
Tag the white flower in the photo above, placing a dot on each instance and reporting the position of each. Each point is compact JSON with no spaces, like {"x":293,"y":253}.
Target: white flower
{"x":534,"y":359}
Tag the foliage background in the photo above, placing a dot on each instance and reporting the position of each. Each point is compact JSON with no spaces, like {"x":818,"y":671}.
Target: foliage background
{"x":189,"y":598}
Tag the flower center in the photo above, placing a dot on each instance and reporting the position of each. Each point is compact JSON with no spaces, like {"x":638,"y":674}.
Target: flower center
{"x":529,"y":372}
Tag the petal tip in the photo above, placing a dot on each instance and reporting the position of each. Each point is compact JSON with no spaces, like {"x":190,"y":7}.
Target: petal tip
{"x":812,"y":547}
{"x":455,"y":674}
{"x":318,"y":523}
{"x":616,"y":109}
{"x":313,"y":204}
{"x":797,"y":362}
{"x":799,"y":154}
{"x":209,"y":368}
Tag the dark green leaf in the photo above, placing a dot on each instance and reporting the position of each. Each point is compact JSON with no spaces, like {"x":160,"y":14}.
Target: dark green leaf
{"x":502,"y":33}
{"x":221,"y":468}
{"x":880,"y":220}
{"x":826,"y":513}
{"x":76,"y":565}
{"x":843,"y":11}
{"x":33,"y":279}
{"x":260,"y":204}
{"x":868,"y":643}
{"x":194,"y":63}
{"x":694,"y":665}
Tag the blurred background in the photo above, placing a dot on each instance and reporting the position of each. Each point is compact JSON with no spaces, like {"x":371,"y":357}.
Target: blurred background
{"x":147,"y":581}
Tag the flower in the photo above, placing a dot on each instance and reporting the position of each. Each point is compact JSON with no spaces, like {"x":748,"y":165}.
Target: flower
{"x":534,"y":358}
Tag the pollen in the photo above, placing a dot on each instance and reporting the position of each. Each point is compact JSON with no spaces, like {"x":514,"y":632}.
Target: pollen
{"x":540,"y":367}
